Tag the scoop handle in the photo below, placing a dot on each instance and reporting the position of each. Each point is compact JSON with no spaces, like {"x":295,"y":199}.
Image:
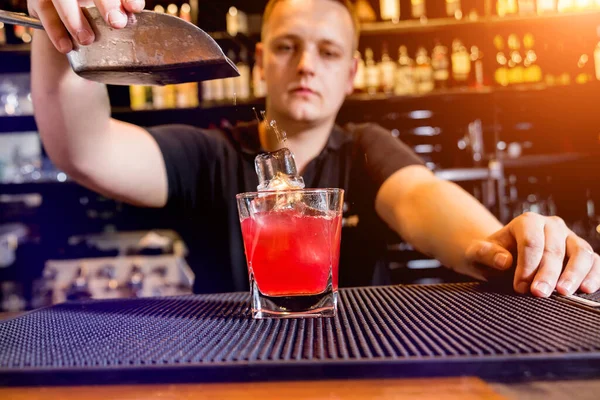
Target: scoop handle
{"x":14,"y":18}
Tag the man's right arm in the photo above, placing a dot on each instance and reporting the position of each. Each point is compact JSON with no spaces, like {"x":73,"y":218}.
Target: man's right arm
{"x":116,"y":159}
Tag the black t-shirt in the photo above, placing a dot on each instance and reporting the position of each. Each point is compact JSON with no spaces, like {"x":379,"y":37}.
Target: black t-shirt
{"x":207,"y":168}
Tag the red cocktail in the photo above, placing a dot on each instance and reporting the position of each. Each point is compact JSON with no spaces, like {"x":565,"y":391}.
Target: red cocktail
{"x":292,"y":244}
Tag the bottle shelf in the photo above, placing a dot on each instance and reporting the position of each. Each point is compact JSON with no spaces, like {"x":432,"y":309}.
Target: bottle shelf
{"x":389,"y":27}
{"x":12,"y":123}
{"x":413,"y":26}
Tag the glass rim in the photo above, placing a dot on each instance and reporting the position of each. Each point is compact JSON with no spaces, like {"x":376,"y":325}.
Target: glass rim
{"x":246,"y":195}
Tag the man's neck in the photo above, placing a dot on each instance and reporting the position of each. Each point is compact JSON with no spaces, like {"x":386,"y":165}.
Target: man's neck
{"x":305,"y":140}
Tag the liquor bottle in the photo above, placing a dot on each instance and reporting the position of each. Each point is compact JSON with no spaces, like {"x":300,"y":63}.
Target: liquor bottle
{"x":217,"y":88}
{"x":405,"y":81}
{"x":185,"y":13}
{"x":515,"y":60}
{"x":364,"y":11}
{"x":506,"y":7}
{"x":597,"y":56}
{"x":453,"y":9}
{"x":172,"y":9}
{"x":23,"y":33}
{"x":532,"y":72}
{"x":440,"y":65}
{"x":477,"y":60}
{"x":526,"y":7}
{"x":207,"y":94}
{"x":2,"y":34}
{"x":511,"y":7}
{"x":501,"y":72}
{"x":137,"y":97}
{"x":390,"y":10}
{"x":158,"y":92}
{"x":423,"y":71}
{"x":371,"y":72}
{"x":417,"y":8}
{"x":229,"y":83}
{"x":583,"y":70}
{"x":236,"y":22}
{"x":359,"y":78}
{"x":242,"y":82}
{"x":546,"y":7}
{"x":461,"y":63}
{"x":187,"y":93}
{"x":387,"y":71}
{"x":170,"y":91}
{"x":19,"y":30}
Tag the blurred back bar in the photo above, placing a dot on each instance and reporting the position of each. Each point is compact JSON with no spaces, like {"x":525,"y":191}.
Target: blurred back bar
{"x":500,"y":96}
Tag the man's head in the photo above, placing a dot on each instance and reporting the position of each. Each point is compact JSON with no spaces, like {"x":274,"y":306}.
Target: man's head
{"x":306,"y":57}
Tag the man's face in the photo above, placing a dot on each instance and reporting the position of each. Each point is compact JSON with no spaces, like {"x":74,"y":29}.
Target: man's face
{"x":307,"y":59}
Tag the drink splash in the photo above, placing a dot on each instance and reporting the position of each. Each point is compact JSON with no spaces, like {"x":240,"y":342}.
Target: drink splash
{"x":277,"y":170}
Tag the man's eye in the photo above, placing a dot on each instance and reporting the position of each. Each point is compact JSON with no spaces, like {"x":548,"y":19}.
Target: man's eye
{"x":284,"y":47}
{"x":330,"y":53}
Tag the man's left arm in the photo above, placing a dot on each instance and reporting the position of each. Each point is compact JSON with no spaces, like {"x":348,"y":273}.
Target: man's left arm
{"x":442,"y":220}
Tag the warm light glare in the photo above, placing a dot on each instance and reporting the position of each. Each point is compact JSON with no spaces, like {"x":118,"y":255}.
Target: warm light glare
{"x":544,"y":6}
{"x":390,"y":9}
{"x":426,"y":131}
{"x":420,"y":114}
{"x":584,"y":4}
{"x":172,"y":9}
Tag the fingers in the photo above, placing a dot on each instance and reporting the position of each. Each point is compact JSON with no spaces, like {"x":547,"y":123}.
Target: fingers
{"x":529,"y":233}
{"x":74,"y":20}
{"x":134,"y":6}
{"x":581,"y":259}
{"x":55,"y":30}
{"x":555,"y":235}
{"x":591,"y":283}
{"x":62,"y":16}
{"x":489,"y":254}
{"x":113,"y":12}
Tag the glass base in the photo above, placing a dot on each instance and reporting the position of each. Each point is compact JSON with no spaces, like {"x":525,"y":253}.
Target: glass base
{"x":297,"y":306}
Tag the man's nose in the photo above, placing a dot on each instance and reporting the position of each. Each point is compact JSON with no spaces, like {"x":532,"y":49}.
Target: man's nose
{"x":306,"y":64}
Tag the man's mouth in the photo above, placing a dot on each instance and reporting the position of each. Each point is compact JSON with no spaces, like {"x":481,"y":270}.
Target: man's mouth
{"x":303,"y":90}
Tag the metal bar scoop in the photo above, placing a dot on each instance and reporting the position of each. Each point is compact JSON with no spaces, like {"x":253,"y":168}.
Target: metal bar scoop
{"x":153,"y":49}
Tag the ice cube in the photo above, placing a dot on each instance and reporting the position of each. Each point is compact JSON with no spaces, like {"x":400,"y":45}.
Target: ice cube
{"x":277,"y":171}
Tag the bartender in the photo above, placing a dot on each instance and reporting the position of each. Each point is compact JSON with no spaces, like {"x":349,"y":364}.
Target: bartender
{"x":306,"y":58}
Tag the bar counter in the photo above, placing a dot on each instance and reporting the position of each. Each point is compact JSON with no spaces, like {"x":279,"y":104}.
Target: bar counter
{"x":450,"y":341}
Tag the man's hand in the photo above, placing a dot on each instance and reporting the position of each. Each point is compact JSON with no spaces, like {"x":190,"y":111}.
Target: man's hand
{"x":549,"y":256}
{"x":62,"y":16}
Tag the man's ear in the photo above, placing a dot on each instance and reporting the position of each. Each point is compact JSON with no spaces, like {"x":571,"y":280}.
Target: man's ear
{"x":351,"y":75}
{"x":258,"y":59}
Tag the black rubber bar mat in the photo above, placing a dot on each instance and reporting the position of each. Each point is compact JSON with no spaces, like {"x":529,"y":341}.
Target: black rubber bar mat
{"x":395,"y":331}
